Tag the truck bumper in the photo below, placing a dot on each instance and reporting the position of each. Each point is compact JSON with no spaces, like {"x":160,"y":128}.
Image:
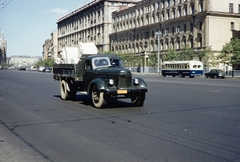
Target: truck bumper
{"x":116,"y":92}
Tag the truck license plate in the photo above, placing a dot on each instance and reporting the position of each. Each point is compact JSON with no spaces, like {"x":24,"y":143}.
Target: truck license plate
{"x":122,"y":91}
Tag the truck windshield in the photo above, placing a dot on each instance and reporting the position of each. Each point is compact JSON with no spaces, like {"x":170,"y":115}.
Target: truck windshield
{"x":117,"y":62}
{"x":101,"y":62}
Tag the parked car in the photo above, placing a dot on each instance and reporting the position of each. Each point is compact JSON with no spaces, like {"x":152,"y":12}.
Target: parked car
{"x":33,"y":68}
{"x":22,"y":68}
{"x":41,"y":69}
{"x":215,"y":73}
{"x":48,"y":70}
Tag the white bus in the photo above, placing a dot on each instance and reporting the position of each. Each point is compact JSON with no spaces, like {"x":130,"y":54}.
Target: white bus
{"x":182,"y":68}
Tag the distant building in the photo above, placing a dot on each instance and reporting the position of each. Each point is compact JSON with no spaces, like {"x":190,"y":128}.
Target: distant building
{"x":50,"y":47}
{"x":46,"y":47}
{"x":18,"y":61}
{"x":90,"y":23}
{"x":195,"y":23}
{"x":131,"y":26}
{"x":3,"y":49}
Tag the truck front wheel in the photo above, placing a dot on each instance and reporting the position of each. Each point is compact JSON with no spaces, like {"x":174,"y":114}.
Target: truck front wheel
{"x":63,"y":90}
{"x":97,"y":98}
{"x":138,"y":99}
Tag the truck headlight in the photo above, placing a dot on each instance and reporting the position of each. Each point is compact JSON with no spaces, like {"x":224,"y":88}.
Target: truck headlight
{"x":136,"y":81}
{"x":111,"y":82}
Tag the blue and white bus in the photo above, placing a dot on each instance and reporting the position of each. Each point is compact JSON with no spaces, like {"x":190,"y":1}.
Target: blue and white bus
{"x":182,"y":68}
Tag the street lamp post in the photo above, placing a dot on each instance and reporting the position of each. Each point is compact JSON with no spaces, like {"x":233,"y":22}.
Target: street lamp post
{"x":158,"y":34}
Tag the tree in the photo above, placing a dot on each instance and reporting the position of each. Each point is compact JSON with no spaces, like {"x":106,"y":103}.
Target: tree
{"x":206,"y":55}
{"x":153,"y":60}
{"x":170,"y":55}
{"x":185,"y":54}
{"x":130,"y":59}
{"x":47,"y":62}
{"x":230,"y":53}
{"x":226,"y":53}
{"x":235,"y":45}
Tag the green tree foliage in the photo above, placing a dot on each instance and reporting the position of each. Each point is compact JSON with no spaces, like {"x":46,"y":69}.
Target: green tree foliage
{"x":206,"y":55}
{"x":170,"y":56}
{"x":130,"y":59}
{"x":46,"y":63}
{"x":235,"y":59}
{"x":185,"y":54}
{"x":152,"y":60}
{"x":231,"y":52}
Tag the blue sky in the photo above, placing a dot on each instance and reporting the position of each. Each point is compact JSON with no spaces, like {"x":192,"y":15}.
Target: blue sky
{"x":26,"y":24}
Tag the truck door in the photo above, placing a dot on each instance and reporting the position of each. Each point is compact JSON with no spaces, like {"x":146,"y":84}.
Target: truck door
{"x":88,"y":75}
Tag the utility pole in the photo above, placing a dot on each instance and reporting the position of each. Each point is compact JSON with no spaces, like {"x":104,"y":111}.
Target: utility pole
{"x":158,"y":34}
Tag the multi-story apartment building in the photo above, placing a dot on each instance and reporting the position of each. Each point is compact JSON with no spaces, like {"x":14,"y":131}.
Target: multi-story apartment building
{"x":3,"y":49}
{"x":90,"y":23}
{"x":195,"y":23}
{"x":131,"y":26}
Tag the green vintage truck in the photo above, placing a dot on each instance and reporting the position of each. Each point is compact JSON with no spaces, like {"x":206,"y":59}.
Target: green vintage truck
{"x":102,"y":76}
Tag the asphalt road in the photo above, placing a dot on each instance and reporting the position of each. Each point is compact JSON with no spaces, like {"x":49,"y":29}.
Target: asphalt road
{"x":182,"y":120}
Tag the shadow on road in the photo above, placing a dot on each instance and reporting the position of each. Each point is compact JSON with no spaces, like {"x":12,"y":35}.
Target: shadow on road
{"x":111,"y":103}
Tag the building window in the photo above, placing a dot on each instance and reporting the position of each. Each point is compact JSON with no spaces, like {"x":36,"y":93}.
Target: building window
{"x":186,"y":11}
{"x":185,"y":28}
{"x":191,"y":27}
{"x":153,"y":33}
{"x":172,"y":44}
{"x":192,"y":9}
{"x":231,"y":7}
{"x":200,"y":26}
{"x":166,"y":31}
{"x":173,"y":30}
{"x":200,"y":42}
{"x":184,"y":41}
{"x":173,"y":14}
{"x":179,"y":12}
{"x":178,"y":43}
{"x":168,"y":3}
{"x":174,"y":2}
{"x":201,"y":7}
{"x":232,"y":26}
{"x":239,"y":8}
{"x":191,"y":42}
{"x":178,"y":29}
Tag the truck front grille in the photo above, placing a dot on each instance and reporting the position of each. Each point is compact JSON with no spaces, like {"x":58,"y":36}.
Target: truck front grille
{"x":125,"y":81}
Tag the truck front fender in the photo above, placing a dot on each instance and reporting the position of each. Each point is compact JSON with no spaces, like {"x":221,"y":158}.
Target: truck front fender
{"x":101,"y":85}
{"x":141,"y":83}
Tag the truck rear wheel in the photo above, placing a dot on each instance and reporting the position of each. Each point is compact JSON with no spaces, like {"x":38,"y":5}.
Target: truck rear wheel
{"x":97,"y":98}
{"x":138,"y":99}
{"x":65,"y":95}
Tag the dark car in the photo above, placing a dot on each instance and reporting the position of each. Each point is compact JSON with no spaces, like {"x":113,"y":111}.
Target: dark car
{"x":22,"y":68}
{"x":215,"y":73}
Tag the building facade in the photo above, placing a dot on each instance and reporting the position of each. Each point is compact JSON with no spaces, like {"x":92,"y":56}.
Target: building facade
{"x":131,"y":26}
{"x":28,"y":61}
{"x":3,"y":49}
{"x":195,"y":23}
{"x":50,"y":47}
{"x":90,"y":23}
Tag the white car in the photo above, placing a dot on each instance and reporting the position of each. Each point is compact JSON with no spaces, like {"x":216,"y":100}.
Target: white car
{"x":41,"y":69}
